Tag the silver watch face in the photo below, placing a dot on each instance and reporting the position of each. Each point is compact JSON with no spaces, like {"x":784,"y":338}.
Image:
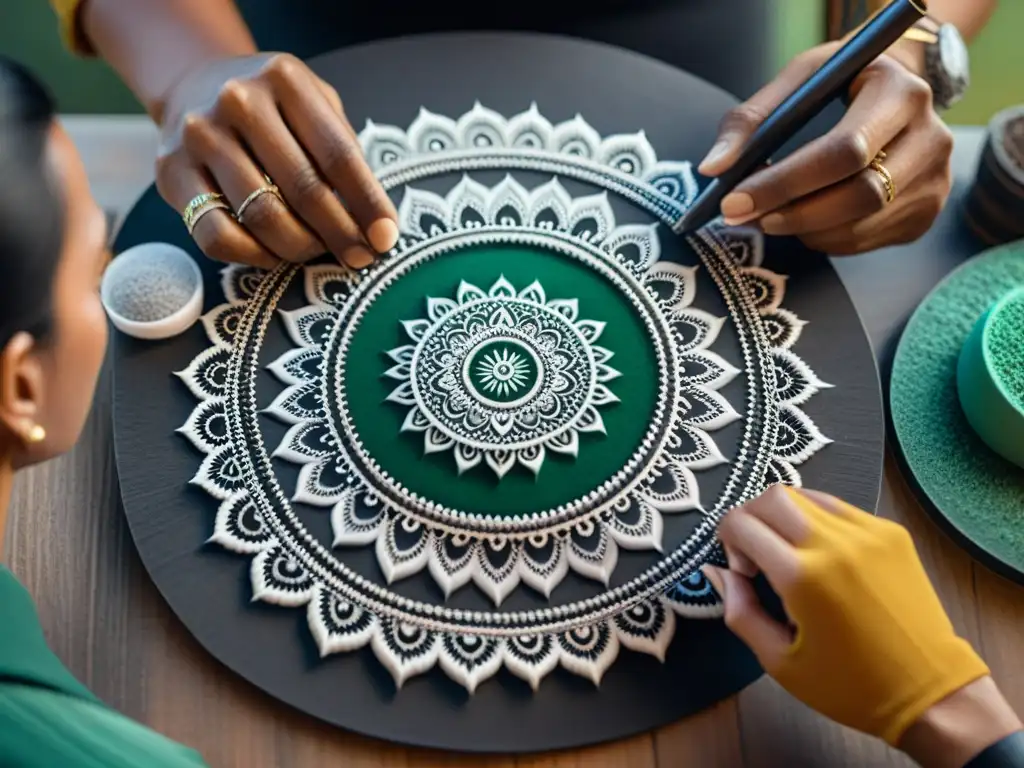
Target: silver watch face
{"x":953,"y":54}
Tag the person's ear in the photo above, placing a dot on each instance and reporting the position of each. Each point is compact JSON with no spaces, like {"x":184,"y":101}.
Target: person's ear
{"x":22,"y":390}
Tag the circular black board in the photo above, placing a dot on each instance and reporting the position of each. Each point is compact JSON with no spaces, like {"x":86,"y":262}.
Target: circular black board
{"x":209,"y":588}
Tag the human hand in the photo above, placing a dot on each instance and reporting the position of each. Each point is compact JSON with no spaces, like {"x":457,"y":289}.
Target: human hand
{"x":870,"y":644}
{"x":827,"y":193}
{"x":232,"y":126}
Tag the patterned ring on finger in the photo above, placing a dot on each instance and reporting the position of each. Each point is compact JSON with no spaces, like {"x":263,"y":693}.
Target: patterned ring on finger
{"x":887,"y":182}
{"x":269,"y":188}
{"x":200,"y":205}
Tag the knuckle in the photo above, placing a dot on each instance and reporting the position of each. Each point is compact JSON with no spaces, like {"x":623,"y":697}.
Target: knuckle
{"x":307,"y":187}
{"x":236,"y":96}
{"x":884,"y":69}
{"x":876,"y":196}
{"x":283,"y":67}
{"x":918,"y":93}
{"x":943,"y":141}
{"x":263,"y":213}
{"x":808,"y":59}
{"x":742,"y":117}
{"x":888,"y":67}
{"x":787,"y":222}
{"x":196,"y":131}
{"x":214,"y":241}
{"x":852,"y":150}
{"x":339,"y":157}
{"x":804,"y":57}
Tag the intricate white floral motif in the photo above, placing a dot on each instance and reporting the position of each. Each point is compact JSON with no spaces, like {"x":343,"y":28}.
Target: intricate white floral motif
{"x":566,"y":389}
{"x":502,"y":375}
{"x":347,"y":611}
{"x":625,"y":164}
{"x":795,"y":383}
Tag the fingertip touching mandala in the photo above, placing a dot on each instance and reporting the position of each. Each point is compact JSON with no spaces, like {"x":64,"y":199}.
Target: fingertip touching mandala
{"x":520,"y":391}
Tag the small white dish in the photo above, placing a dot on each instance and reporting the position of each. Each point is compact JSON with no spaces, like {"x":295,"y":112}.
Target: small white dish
{"x":153,"y":291}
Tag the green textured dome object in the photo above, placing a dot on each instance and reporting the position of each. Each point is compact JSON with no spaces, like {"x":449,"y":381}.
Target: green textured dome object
{"x":990,"y":377}
{"x":1004,"y":344}
{"x":976,"y":495}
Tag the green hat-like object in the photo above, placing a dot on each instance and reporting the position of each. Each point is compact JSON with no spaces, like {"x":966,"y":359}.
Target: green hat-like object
{"x":956,"y":400}
{"x":990,"y":377}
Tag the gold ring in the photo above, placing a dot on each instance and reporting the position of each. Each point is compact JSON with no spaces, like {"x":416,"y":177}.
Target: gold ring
{"x":199,"y":206}
{"x":270,"y":188}
{"x":887,"y":182}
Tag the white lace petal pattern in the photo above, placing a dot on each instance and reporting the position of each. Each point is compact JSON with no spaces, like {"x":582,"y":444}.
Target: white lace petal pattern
{"x":503,"y":379}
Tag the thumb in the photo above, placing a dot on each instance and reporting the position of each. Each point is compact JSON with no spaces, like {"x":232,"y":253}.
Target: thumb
{"x":733,"y":133}
{"x":747,"y":618}
{"x":741,"y":121}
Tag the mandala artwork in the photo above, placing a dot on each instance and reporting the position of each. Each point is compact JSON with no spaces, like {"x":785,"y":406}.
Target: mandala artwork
{"x":528,"y":386}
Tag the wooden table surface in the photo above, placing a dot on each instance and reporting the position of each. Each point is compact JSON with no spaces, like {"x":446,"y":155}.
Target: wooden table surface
{"x":69,"y":544}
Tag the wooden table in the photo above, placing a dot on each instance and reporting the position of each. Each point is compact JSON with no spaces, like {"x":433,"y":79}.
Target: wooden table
{"x":69,"y":544}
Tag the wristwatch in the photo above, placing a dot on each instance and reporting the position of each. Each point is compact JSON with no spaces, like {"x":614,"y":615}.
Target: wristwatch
{"x":946,"y":61}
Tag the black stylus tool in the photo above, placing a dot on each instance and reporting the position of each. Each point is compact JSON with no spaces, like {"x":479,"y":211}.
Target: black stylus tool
{"x":830,"y":82}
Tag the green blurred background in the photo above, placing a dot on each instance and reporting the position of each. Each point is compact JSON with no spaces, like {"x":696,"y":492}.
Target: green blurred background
{"x":29,"y":33}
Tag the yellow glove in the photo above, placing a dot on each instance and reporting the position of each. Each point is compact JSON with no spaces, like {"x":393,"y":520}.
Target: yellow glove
{"x":871,"y":646}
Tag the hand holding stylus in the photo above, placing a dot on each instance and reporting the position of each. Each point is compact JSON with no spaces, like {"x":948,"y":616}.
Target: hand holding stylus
{"x":834,"y":193}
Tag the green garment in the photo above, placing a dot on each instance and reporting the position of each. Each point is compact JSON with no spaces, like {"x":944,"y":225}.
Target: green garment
{"x":48,"y":718}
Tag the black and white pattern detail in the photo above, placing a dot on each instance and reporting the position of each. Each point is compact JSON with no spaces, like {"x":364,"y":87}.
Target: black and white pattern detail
{"x":795,"y":383}
{"x":625,"y":164}
{"x":346,"y":611}
{"x":501,"y":367}
{"x":568,"y":377}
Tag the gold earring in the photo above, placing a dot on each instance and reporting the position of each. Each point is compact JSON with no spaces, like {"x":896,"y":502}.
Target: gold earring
{"x":36,"y":435}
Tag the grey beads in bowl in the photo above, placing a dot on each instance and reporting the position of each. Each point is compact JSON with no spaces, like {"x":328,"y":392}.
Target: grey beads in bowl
{"x":153,"y":291}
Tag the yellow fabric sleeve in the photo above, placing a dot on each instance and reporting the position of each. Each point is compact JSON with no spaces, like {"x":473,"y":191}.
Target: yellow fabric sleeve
{"x":874,"y":647}
{"x":70,"y":31}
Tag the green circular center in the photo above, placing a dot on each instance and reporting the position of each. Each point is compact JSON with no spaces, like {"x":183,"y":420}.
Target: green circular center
{"x":501,"y":370}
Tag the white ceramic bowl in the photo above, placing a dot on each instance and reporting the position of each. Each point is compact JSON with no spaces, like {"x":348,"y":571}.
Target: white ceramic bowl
{"x":173,"y":324}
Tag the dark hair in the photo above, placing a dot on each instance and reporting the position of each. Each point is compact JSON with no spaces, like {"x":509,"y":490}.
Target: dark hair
{"x":31,"y":206}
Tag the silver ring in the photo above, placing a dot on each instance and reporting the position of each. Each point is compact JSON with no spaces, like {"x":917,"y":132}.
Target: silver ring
{"x":256,"y":193}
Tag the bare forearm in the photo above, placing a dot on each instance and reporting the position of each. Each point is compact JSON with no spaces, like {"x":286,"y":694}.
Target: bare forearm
{"x":968,"y":16}
{"x":961,"y":726}
{"x":153,"y":43}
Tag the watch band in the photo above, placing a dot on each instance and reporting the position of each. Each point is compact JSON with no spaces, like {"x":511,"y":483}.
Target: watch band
{"x":926,"y":30}
{"x":1005,"y":753}
{"x":939,"y":40}
{"x":945,"y":59}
